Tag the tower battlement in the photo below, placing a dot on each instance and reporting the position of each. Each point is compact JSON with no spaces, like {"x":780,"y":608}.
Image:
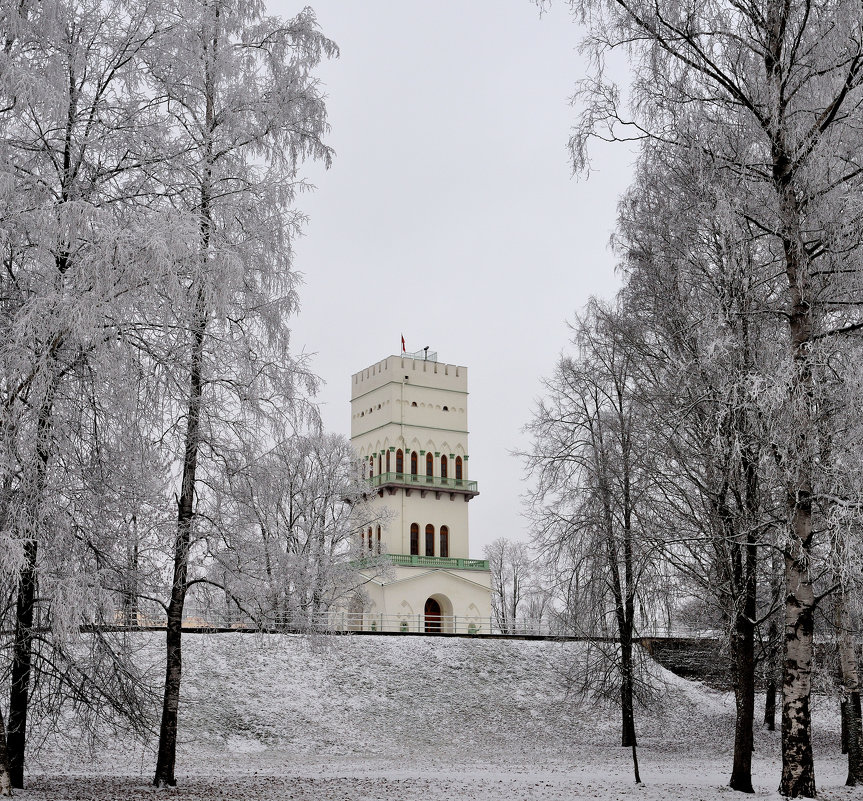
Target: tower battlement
{"x":397,"y":368}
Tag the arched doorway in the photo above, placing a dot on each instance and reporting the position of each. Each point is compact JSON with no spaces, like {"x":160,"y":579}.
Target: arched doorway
{"x":432,"y":616}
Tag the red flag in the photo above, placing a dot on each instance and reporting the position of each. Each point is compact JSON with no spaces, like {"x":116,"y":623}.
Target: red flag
{"x":403,"y":343}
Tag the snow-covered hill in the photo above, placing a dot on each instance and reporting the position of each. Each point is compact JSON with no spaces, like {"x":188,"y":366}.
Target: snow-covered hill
{"x":271,"y":715}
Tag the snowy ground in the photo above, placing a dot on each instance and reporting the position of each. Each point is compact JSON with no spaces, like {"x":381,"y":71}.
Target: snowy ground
{"x":419,"y":718}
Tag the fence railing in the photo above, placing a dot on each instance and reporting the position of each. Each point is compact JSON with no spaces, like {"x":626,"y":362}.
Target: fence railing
{"x":342,"y":621}
{"x":424,"y":355}
{"x":335,"y":622}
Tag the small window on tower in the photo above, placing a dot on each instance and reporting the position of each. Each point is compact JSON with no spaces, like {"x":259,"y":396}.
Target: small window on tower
{"x":415,"y":539}
{"x":414,"y":465}
{"x":444,"y":541}
{"x":446,"y":408}
{"x":458,"y":474}
{"x":444,"y":466}
{"x":414,"y":403}
{"x":429,"y":465}
{"x":400,"y":461}
{"x":429,"y":540}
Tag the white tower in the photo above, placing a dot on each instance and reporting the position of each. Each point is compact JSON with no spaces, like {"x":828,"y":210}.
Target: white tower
{"x":409,"y":430}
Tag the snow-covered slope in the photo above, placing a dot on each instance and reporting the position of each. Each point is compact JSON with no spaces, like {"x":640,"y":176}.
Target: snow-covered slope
{"x":419,"y":707}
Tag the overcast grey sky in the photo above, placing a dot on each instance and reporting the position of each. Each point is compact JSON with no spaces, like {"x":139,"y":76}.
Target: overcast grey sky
{"x":450,"y":214}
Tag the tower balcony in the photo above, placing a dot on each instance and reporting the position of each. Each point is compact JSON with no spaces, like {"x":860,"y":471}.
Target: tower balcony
{"x":412,"y":560}
{"x":408,"y":481}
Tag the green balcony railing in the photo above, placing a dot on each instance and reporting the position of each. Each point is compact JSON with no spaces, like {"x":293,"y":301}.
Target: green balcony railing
{"x":409,"y":560}
{"x":425,"y":482}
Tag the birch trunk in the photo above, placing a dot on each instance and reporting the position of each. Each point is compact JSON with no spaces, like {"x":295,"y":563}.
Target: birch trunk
{"x":798,"y":767}
{"x":849,"y":673}
{"x":19,"y":690}
{"x":743,"y":654}
{"x":167,"y":753}
{"x":743,"y":643}
{"x":770,"y":679}
{"x":5,"y":776}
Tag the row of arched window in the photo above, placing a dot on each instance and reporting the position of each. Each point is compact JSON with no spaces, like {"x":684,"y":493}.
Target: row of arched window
{"x":371,"y":540}
{"x":384,"y":464}
{"x":429,"y":540}
{"x":371,"y":543}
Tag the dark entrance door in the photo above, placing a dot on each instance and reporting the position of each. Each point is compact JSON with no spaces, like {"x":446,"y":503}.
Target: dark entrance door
{"x":433,"y":616}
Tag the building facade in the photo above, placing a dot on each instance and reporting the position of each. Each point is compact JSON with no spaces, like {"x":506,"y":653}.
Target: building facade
{"x":409,"y":431}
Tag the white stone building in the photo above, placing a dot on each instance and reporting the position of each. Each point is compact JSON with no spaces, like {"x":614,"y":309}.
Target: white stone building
{"x":409,"y":431}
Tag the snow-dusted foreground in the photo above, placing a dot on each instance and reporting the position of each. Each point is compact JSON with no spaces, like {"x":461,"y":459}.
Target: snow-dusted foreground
{"x":365,"y":717}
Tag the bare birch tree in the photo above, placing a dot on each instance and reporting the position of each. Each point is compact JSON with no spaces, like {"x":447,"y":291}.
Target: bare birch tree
{"x":592,"y":480}
{"x":698,"y":286}
{"x":780,"y":86}
{"x":291,"y":521}
{"x":73,"y":139}
{"x":235,"y":89}
{"x":510,"y":566}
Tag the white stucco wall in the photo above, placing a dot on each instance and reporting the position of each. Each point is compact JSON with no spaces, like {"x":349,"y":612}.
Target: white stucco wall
{"x":463,"y":595}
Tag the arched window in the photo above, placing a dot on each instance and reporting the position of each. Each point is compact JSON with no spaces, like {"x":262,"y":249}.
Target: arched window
{"x":378,"y":544}
{"x":371,"y":542}
{"x":388,"y":461}
{"x":429,"y":540}
{"x":414,"y":463}
{"x":444,"y":541}
{"x":362,"y":540}
{"x":415,"y":539}
{"x":379,"y":465}
{"x":429,"y":464}
{"x":458,"y":468}
{"x":371,"y":466}
{"x":400,"y":461}
{"x":443,"y":467}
